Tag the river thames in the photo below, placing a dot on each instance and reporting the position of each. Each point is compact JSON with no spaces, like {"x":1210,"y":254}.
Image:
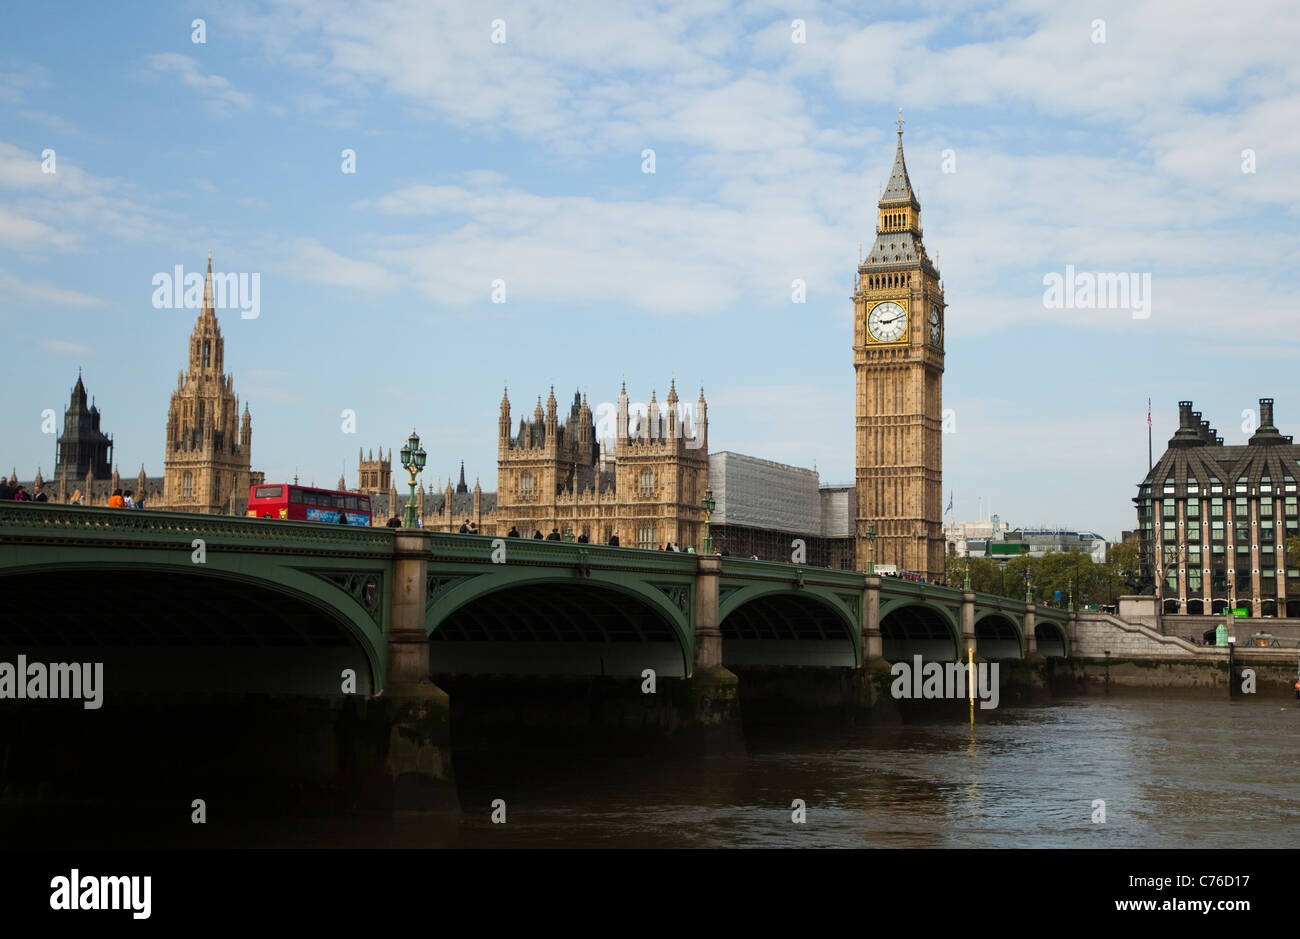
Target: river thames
{"x":1174,"y":772}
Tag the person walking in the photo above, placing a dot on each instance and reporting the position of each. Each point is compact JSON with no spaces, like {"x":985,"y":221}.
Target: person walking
{"x":537,"y":535}
{"x":613,"y":541}
{"x":513,"y":533}
{"x":393,"y":522}
{"x":464,"y":528}
{"x":554,"y":535}
{"x":127,"y":501}
{"x":6,"y":490}
{"x":20,"y":494}
{"x":115,"y":500}
{"x":39,"y":495}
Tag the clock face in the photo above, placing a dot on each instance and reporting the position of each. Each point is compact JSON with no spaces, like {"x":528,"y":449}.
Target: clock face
{"x":887,"y":321}
{"x":936,"y":324}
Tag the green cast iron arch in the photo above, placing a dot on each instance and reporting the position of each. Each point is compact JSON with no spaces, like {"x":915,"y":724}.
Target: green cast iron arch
{"x":477,"y":586}
{"x":1060,"y":627}
{"x":282,"y":579}
{"x":1017,"y":622}
{"x":824,"y":597}
{"x":888,"y":606}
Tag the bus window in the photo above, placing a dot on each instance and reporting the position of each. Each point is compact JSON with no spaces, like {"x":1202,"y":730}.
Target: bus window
{"x":295,"y":496}
{"x":268,"y":492}
{"x":351,"y":503}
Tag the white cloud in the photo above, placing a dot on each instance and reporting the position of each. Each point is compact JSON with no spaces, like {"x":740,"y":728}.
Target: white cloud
{"x":57,"y":211}
{"x":222,"y":97}
{"x":308,"y":259}
{"x":63,"y":347}
{"x":26,"y":234}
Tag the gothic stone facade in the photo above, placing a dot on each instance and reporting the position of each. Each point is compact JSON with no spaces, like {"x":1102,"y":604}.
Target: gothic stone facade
{"x":553,"y":475}
{"x":557,"y":475}
{"x":206,"y":463}
{"x":83,"y":447}
{"x":898,"y":356}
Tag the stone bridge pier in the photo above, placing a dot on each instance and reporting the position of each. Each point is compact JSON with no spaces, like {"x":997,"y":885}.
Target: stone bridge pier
{"x":416,"y":711}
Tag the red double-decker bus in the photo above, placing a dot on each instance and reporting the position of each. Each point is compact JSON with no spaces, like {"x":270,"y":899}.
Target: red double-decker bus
{"x":306,"y":504}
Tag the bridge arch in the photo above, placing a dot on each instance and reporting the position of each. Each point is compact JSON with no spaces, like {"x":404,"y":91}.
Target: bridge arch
{"x":1051,"y":639}
{"x":233,"y":624}
{"x":779,"y":625}
{"x":544,"y":622}
{"x":917,"y":628}
{"x":998,"y":636}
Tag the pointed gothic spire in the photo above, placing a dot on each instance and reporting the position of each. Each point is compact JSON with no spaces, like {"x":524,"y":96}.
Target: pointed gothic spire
{"x":898,"y":191}
{"x":208,"y":307}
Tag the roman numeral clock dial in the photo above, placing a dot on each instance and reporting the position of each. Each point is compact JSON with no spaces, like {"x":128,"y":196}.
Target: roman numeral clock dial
{"x":887,"y":321}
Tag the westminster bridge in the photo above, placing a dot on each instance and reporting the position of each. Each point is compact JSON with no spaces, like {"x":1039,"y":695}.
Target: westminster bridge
{"x":292,"y":604}
{"x":236,"y":632}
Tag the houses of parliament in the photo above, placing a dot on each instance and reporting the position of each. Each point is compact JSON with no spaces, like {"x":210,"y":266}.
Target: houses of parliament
{"x":645,"y":485}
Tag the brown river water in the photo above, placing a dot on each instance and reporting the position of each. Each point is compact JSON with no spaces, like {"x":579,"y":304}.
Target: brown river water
{"x":1174,"y":772}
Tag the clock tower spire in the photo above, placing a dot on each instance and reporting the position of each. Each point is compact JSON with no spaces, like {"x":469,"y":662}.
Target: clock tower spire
{"x":898,"y":354}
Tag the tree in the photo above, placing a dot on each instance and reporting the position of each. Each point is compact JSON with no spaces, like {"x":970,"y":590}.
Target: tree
{"x":1292,"y":551}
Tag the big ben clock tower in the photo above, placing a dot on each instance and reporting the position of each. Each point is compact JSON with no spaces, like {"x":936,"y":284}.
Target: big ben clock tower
{"x":898,"y":335}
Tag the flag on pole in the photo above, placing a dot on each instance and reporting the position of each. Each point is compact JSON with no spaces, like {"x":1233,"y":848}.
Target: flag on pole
{"x":949,"y":509}
{"x":1148,"y":411}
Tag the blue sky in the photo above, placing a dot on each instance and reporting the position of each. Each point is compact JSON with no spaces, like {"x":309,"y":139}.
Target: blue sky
{"x":522,"y":161}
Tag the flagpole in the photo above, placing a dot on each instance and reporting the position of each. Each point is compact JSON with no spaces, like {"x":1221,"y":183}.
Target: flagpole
{"x":1150,"y":462}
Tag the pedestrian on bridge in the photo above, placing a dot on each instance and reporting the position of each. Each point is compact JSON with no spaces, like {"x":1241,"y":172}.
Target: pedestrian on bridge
{"x":513,"y":533}
{"x":537,"y":535}
{"x":554,"y":535}
{"x":115,"y":500}
{"x":6,"y":490}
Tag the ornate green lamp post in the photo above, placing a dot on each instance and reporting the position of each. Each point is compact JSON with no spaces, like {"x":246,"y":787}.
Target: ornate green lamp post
{"x":708,"y":505}
{"x":413,"y":457}
{"x":1029,"y":588}
{"x":965,"y":580}
{"x":871,"y":549}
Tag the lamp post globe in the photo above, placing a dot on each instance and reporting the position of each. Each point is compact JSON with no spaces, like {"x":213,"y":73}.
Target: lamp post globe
{"x":413,"y":458}
{"x":708,"y":505}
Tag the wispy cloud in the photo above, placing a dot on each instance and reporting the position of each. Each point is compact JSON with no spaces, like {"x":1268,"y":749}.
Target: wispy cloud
{"x":222,"y":97}
{"x":45,"y":293}
{"x":63,"y":347}
{"x":310,"y":260}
